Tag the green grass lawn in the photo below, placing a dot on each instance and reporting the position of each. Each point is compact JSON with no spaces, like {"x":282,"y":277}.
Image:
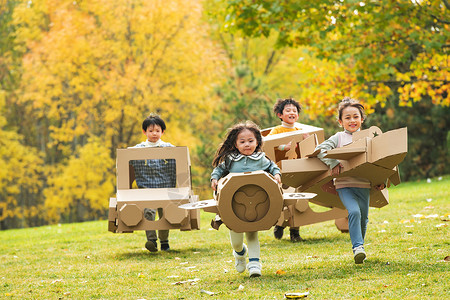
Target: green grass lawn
{"x":406,"y":244}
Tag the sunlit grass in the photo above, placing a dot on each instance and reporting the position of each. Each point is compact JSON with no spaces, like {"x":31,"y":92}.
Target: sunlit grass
{"x":406,"y":245}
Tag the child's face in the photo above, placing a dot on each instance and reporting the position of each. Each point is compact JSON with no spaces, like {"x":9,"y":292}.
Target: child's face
{"x":153,"y":133}
{"x":246,"y":142}
{"x":290,"y":114}
{"x":351,"y":119}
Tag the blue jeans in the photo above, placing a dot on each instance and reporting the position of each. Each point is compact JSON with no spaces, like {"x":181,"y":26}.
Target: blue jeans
{"x":356,"y":201}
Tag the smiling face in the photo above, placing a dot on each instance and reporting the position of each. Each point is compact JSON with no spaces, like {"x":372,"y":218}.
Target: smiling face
{"x":351,"y":119}
{"x":153,"y":133}
{"x":289,"y":115}
{"x":246,"y":142}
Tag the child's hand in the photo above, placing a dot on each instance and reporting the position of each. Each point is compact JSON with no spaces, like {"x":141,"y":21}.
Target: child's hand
{"x":214,"y":184}
{"x":337,"y":170}
{"x":380,"y":186}
{"x":277,"y":178}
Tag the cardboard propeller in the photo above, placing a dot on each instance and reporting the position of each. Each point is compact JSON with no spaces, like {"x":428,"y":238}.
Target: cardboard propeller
{"x":250,"y":201}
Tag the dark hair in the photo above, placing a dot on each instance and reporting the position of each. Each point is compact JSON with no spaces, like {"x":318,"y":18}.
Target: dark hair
{"x":281,"y":103}
{"x":346,"y":102}
{"x":153,"y":120}
{"x":229,"y":145}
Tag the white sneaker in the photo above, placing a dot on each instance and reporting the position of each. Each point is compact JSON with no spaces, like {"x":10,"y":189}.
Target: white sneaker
{"x":240,"y":260}
{"x":254,"y":268}
{"x":359,"y":254}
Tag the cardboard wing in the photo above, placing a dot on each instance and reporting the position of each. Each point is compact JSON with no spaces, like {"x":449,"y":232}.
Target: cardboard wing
{"x":135,"y":209}
{"x":372,"y":155}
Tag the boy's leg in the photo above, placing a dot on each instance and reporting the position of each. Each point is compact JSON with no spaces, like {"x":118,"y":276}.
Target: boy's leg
{"x":163,"y":235}
{"x":295,"y":234}
{"x":278,"y":232}
{"x":151,"y":244}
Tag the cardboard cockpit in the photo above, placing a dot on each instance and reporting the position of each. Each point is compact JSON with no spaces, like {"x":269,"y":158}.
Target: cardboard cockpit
{"x":126,"y":211}
{"x":372,"y":155}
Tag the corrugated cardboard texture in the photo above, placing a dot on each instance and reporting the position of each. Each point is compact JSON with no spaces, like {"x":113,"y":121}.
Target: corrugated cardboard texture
{"x":249,"y":201}
{"x":373,"y":155}
{"x":271,"y":142}
{"x":127,"y":210}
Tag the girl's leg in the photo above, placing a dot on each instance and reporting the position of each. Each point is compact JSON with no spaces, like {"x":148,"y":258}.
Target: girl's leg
{"x":237,"y":241}
{"x":254,"y":265}
{"x":363,"y":196}
{"x":350,"y":202}
{"x":253,"y":245}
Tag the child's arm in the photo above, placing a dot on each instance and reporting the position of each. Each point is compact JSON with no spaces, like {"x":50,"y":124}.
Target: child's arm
{"x":272,"y":168}
{"x":216,"y":174}
{"x":329,"y":144}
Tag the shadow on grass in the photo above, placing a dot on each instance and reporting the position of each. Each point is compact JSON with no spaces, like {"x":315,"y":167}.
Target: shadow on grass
{"x":171,"y":254}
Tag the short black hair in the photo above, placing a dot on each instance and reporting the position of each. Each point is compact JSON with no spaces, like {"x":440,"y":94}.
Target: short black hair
{"x":153,"y":119}
{"x":281,"y":103}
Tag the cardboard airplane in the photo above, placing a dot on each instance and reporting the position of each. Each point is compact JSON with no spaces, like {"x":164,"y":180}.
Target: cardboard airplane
{"x":372,"y":155}
{"x":300,"y":213}
{"x":249,"y":201}
{"x":127,"y":210}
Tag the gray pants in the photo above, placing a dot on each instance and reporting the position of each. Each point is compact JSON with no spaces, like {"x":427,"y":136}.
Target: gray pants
{"x":150,"y":215}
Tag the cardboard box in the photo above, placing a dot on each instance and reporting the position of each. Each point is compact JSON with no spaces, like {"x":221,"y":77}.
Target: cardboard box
{"x":372,"y":155}
{"x":127,"y":212}
{"x":271,"y":142}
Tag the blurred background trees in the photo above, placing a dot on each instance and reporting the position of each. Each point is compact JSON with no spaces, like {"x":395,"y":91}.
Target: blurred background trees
{"x":78,"y":78}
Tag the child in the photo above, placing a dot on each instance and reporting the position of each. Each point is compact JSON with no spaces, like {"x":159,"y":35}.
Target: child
{"x":287,"y":110}
{"x":154,"y":173}
{"x":353,"y":192}
{"x":240,"y":152}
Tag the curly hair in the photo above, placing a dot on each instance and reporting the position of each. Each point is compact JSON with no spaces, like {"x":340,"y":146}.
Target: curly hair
{"x":346,"y":102}
{"x":229,"y":145}
{"x":281,"y":103}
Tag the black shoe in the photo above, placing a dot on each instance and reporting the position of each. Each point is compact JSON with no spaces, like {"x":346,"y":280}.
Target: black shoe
{"x":295,"y":235}
{"x":151,"y":246}
{"x":165,"y":246}
{"x":278,"y":232}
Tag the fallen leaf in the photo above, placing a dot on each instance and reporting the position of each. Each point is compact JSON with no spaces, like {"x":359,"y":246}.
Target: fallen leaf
{"x":447,"y":258}
{"x":191,"y":281}
{"x":280,"y":272}
{"x":440,"y":225}
{"x":432,"y":216}
{"x":207,"y":292}
{"x":57,"y":280}
{"x":296,"y":295}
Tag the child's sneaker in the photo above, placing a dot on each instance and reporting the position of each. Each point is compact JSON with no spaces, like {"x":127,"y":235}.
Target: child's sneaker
{"x":359,"y":254}
{"x":254,"y":268}
{"x":165,"y":246}
{"x":278,"y":232}
{"x":295,"y":235}
{"x":240,"y":260}
{"x":151,"y":246}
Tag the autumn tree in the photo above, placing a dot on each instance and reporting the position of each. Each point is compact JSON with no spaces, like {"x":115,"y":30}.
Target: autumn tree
{"x":393,"y":55}
{"x":92,"y":71}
